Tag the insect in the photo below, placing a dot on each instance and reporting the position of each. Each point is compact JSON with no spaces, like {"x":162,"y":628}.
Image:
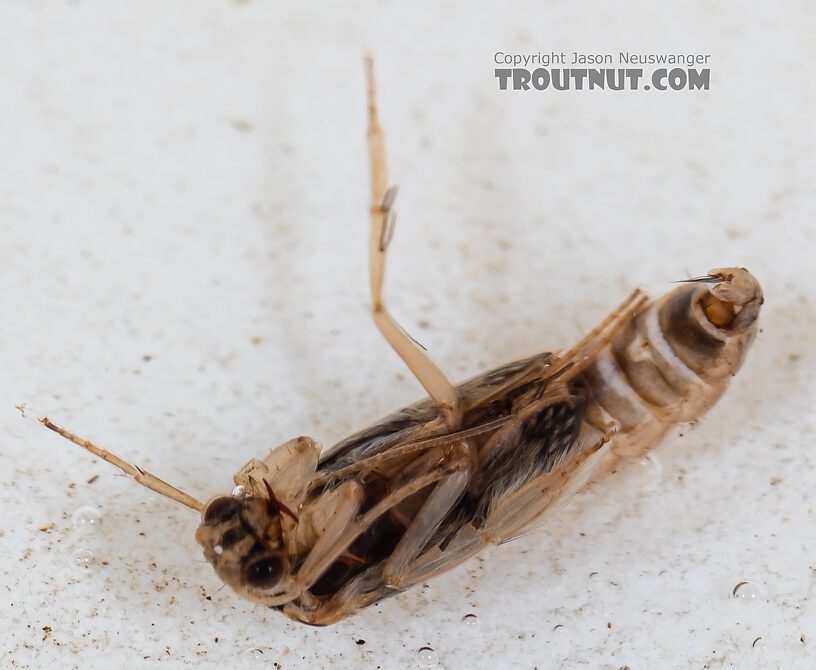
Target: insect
{"x":320,"y":535}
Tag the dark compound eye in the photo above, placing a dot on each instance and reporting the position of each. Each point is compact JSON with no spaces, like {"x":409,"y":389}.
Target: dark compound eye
{"x":233,"y":536}
{"x":221,"y":509}
{"x":264,"y":573}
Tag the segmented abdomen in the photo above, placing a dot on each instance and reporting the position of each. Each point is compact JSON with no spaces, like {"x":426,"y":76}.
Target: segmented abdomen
{"x":670,"y":363}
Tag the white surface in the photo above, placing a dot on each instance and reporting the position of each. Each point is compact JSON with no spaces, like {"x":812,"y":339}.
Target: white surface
{"x":180,"y":178}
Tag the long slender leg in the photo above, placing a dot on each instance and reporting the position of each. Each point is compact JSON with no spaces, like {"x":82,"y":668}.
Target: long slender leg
{"x":576,"y":358}
{"x":466,"y":543}
{"x":422,"y":527}
{"x":373,"y":583}
{"x":317,"y":562}
{"x":393,"y":454}
{"x":579,"y":356}
{"x":511,"y":517}
{"x":435,"y":382}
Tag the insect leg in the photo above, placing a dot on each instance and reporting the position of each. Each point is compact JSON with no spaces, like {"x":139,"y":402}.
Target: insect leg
{"x":510,"y":517}
{"x":286,"y":470}
{"x":569,"y":364}
{"x":435,"y":382}
{"x":322,"y":556}
{"x":331,"y":516}
{"x":467,"y":542}
{"x":517,"y":458}
{"x":362,"y":591}
{"x":438,"y":505}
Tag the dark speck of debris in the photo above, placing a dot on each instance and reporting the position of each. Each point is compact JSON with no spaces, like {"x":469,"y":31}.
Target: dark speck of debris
{"x":609,"y":625}
{"x":46,"y":632}
{"x":255,"y":339}
{"x":147,"y":357}
{"x":360,"y":641}
{"x":92,"y":479}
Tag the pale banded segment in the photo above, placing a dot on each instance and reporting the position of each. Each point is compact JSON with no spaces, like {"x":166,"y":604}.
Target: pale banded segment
{"x":614,"y":393}
{"x":677,"y":373}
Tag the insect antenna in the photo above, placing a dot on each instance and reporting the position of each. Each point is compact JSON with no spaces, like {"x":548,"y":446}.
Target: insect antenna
{"x":704,"y":279}
{"x":141,"y":476}
{"x":277,"y":505}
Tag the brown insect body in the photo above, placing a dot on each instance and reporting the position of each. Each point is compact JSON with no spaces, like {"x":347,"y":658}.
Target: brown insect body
{"x":672,"y":361}
{"x":322,"y":535}
{"x":539,"y":436}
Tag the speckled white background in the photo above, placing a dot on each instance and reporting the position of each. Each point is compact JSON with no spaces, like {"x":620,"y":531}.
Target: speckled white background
{"x":183,"y":221}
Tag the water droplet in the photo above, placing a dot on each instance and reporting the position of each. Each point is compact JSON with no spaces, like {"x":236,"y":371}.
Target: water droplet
{"x":594,"y":576}
{"x":470,"y":620}
{"x":238,"y":491}
{"x":87,"y":519}
{"x":83,"y":559}
{"x":760,"y":645}
{"x":748,"y":591}
{"x":559,"y":628}
{"x":427,"y":658}
{"x":254,"y":654}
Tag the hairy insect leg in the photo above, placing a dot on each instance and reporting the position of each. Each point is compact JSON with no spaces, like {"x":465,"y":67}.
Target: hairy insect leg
{"x":369,"y":586}
{"x":435,"y":382}
{"x":321,"y":557}
{"x":140,"y":476}
{"x":510,"y":517}
{"x":467,"y":542}
{"x":438,"y":505}
{"x":541,"y":438}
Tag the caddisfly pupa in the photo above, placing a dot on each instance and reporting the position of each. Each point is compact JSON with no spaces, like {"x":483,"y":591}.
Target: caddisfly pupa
{"x":321,"y":534}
